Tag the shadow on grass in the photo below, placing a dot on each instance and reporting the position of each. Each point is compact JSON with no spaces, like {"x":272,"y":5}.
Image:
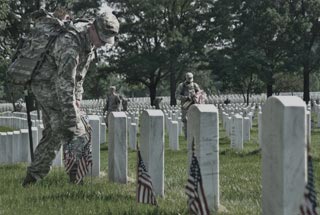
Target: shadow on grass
{"x":224,"y":141}
{"x":81,"y":194}
{"x":240,"y":153}
{"x":104,"y":147}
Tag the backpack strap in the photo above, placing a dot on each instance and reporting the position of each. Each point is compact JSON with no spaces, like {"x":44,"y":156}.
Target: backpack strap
{"x":52,"y":39}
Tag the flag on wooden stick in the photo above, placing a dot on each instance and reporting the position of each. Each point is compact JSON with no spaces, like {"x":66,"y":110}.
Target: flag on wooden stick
{"x":145,"y":192}
{"x":309,"y":205}
{"x":197,"y":202}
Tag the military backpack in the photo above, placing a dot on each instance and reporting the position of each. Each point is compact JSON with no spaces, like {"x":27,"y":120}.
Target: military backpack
{"x":33,"y":48}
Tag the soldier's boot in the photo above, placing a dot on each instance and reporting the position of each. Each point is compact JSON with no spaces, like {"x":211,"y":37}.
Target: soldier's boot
{"x":29,"y":180}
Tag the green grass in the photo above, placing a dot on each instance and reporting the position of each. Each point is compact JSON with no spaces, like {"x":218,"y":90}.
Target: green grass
{"x":240,"y":185}
{"x":5,"y":129}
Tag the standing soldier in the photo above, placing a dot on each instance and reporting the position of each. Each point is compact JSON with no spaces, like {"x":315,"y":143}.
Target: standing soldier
{"x":57,"y":86}
{"x":186,"y":93}
{"x":112,"y":103}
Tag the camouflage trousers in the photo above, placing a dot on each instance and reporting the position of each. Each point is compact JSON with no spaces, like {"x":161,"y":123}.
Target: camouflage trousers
{"x":54,"y":135}
{"x":184,"y":121}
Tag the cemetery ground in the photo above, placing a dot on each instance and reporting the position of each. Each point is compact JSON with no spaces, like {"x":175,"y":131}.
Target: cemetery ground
{"x":240,"y":185}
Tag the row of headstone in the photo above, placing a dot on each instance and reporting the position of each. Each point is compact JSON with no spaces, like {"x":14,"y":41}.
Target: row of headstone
{"x":6,"y":107}
{"x":204,"y":124}
{"x":14,"y":146}
{"x":283,"y":143}
{"x":237,"y":122}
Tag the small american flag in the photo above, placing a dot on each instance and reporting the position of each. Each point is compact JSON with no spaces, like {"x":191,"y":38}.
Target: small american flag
{"x":84,"y":162}
{"x":197,"y":202}
{"x":145,"y":192}
{"x":69,"y":160}
{"x":309,"y":206}
{"x":200,"y":97}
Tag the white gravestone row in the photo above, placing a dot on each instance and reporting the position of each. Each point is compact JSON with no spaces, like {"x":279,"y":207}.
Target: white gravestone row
{"x":14,"y":146}
{"x":237,"y":122}
{"x":6,"y":107}
{"x":283,"y":150}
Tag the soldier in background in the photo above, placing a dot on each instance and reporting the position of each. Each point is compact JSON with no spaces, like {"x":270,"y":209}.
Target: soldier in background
{"x":19,"y":105}
{"x":186,"y":93}
{"x":112,"y":103}
{"x":57,"y":87}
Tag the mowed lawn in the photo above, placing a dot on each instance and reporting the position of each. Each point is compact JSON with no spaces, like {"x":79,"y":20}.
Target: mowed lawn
{"x":240,"y":185}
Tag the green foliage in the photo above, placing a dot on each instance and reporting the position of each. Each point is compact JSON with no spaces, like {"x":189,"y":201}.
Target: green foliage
{"x":230,"y":46}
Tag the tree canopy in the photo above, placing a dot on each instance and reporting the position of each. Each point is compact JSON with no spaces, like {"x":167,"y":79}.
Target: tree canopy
{"x":247,"y":46}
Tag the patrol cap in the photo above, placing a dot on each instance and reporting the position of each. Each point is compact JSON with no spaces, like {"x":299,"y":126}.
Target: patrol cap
{"x":189,"y":76}
{"x":107,"y":27}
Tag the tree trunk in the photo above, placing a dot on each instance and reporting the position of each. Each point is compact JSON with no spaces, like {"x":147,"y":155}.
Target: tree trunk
{"x":173,"y":85}
{"x":269,"y":90}
{"x":306,"y":84}
{"x":153,"y":93}
{"x":244,"y":98}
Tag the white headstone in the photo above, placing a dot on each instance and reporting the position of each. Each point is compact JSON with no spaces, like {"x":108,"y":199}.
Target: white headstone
{"x":133,"y":136}
{"x":203,"y":124}
{"x":94,"y":122}
{"x":117,"y":148}
{"x":283,"y":155}
{"x":308,"y":127}
{"x":174,"y":135}
{"x":260,"y":127}
{"x":9,"y":147}
{"x":103,"y":130}
{"x":3,"y":141}
{"x":25,"y":147}
{"x":16,"y":145}
{"x":246,"y":129}
{"x":152,"y":147}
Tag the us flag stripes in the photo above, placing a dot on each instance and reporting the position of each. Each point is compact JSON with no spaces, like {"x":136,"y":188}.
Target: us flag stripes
{"x":69,"y":160}
{"x":84,"y":162}
{"x":197,"y":202}
{"x":145,"y":192}
{"x":309,"y":206}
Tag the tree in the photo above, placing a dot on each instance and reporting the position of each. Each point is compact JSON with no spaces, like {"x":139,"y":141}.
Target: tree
{"x":159,"y":38}
{"x":252,"y":38}
{"x":185,"y":25}
{"x":285,"y":82}
{"x":303,"y":42}
{"x":139,"y":55}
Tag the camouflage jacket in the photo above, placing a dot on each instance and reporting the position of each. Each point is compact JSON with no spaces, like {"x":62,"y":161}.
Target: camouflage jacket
{"x":185,"y":91}
{"x":66,"y":64}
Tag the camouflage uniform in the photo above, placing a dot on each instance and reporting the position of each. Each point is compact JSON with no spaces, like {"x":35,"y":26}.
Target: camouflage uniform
{"x":19,"y":105}
{"x":56,"y":86}
{"x":185,"y":92}
{"x":113,"y":104}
